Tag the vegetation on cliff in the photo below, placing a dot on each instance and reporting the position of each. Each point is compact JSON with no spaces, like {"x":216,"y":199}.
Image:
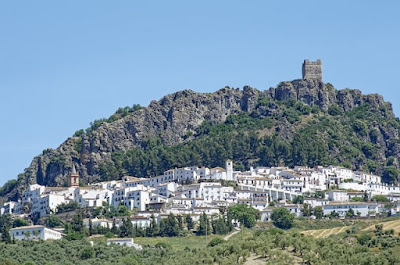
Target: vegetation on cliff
{"x":303,"y":122}
{"x":351,"y":139}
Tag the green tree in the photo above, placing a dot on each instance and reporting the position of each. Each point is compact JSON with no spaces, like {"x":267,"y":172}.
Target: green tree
{"x":77,"y":224}
{"x":20,"y":222}
{"x":245,"y":214}
{"x":307,"y":210}
{"x":380,"y":198}
{"x":36,"y":233}
{"x":27,"y":235}
{"x":282,"y":218}
{"x":5,"y":235}
{"x":204,"y":226}
{"x":390,"y":175}
{"x":298,"y":199}
{"x":8,"y":187}
{"x":334,"y":214}
{"x":90,"y":227}
{"x":169,"y":226}
{"x":215,"y":241}
{"x":87,"y":253}
{"x":180,"y":221}
{"x":153,"y":229}
{"x":334,"y":110}
{"x":189,"y":222}
{"x":123,"y":210}
{"x":221,"y":226}
{"x":350,"y":213}
{"x":363,"y":239}
{"x":365,"y":197}
{"x":126,"y":228}
{"x":319,"y":194}
{"x":357,"y":199}
{"x":53,"y":221}
{"x":318,"y":212}
{"x":114,"y":228}
{"x":67,"y":207}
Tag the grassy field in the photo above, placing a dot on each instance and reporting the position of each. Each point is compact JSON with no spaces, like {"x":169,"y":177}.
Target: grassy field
{"x":177,"y":243}
{"x":190,"y":241}
{"x":363,"y":225}
{"x":393,"y":224}
{"x":325,"y":232}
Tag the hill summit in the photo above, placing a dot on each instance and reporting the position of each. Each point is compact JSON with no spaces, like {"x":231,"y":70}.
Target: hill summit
{"x":300,"y":122}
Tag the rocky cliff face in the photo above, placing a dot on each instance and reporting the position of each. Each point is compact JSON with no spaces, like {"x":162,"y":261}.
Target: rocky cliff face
{"x":175,"y":116}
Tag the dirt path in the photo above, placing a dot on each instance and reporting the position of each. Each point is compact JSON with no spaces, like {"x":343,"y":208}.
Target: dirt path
{"x":231,"y":234}
{"x":253,"y":259}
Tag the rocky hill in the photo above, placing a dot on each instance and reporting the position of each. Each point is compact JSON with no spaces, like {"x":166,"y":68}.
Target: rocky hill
{"x":302,"y":122}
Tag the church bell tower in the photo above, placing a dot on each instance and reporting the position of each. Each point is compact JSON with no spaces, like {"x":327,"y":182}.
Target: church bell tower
{"x":73,"y":180}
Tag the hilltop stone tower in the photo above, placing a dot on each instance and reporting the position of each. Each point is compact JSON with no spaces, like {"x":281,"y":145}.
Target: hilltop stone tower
{"x":312,"y":70}
{"x":73,"y":180}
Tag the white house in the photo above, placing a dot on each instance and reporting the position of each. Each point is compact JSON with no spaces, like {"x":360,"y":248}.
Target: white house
{"x":7,"y":208}
{"x":92,"y":197}
{"x":266,"y":214}
{"x":34,"y":232}
{"x":293,"y":208}
{"x":133,"y":197}
{"x":167,"y":189}
{"x":316,"y":202}
{"x":338,"y":196}
{"x":32,"y":192}
{"x":292,"y":185}
{"x":99,"y":222}
{"x":140,"y":221}
{"x":128,"y":242}
{"x":342,"y":207}
{"x":366,"y":178}
{"x":47,"y":204}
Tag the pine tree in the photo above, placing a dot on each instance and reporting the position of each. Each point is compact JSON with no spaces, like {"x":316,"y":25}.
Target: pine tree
{"x":204,"y":226}
{"x":126,"y":229}
{"x":180,"y":222}
{"x":90,"y":227}
{"x":189,"y":222}
{"x":5,"y":235}
{"x":114,"y":228}
{"x":153,"y":229}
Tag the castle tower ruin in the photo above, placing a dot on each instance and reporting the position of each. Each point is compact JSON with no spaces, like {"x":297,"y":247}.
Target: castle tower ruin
{"x":312,"y":70}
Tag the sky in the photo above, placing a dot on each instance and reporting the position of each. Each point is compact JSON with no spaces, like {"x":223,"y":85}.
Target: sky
{"x":64,"y":64}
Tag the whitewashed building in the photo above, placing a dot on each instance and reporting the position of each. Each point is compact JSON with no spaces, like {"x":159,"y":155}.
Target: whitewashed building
{"x":338,"y":196}
{"x":47,"y":204}
{"x":128,"y":242}
{"x":343,"y":207}
{"x":34,"y":232}
{"x":140,"y":221}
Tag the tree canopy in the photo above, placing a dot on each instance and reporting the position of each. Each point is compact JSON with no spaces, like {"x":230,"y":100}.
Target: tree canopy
{"x":282,"y":218}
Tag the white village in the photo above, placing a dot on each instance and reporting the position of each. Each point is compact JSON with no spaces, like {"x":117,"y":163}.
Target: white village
{"x":196,"y":191}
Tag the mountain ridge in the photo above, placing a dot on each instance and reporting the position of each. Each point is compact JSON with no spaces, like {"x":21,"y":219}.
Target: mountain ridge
{"x":176,"y":118}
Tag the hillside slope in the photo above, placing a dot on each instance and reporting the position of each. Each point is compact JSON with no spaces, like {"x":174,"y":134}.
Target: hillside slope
{"x":302,"y":122}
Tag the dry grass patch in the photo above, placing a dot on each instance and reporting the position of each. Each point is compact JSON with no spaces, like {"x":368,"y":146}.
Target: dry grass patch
{"x":321,"y":233}
{"x":395,"y":225}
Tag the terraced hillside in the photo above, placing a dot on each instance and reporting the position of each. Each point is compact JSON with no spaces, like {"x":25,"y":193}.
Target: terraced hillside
{"x":394,"y":224}
{"x":321,"y":233}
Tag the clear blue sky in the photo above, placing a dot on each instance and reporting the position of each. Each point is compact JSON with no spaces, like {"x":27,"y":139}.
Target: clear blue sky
{"x":64,"y":64}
